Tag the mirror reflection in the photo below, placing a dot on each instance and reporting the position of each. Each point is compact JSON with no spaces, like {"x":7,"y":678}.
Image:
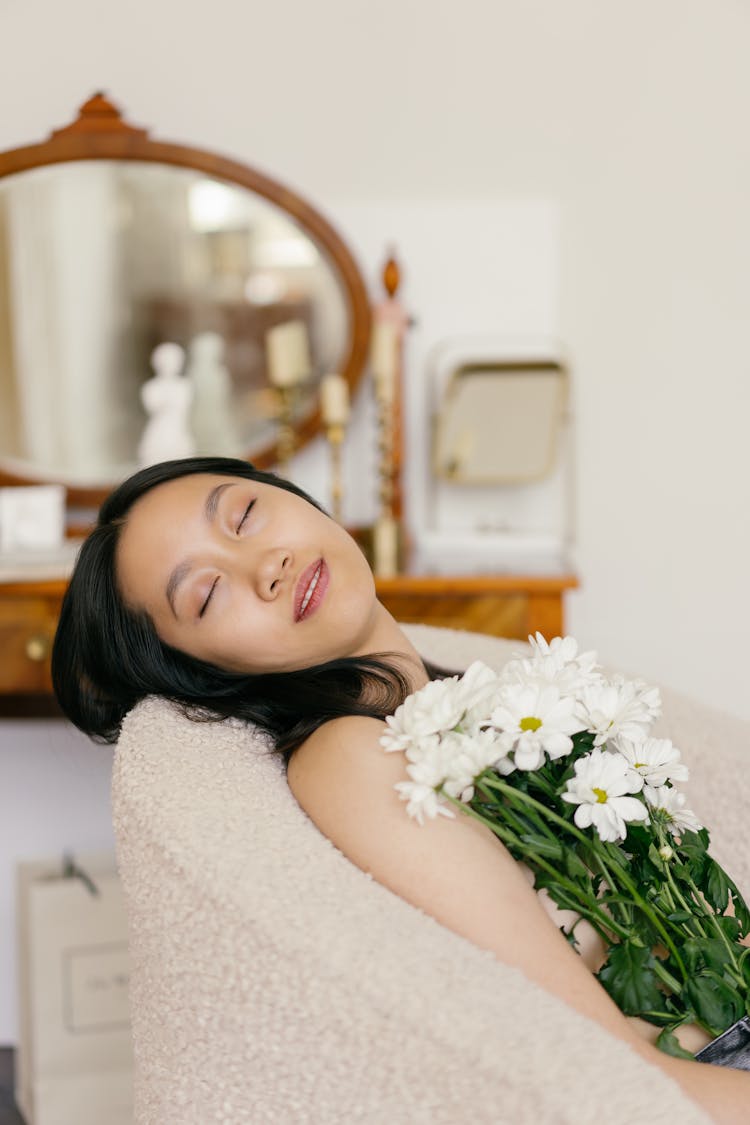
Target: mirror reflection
{"x":499,"y":423}
{"x":104,"y":261}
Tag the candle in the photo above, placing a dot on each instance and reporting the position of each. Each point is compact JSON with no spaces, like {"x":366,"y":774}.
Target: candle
{"x":334,"y":400}
{"x":384,"y":358}
{"x":288,"y":353}
{"x":463,"y":447}
{"x":385,"y":547}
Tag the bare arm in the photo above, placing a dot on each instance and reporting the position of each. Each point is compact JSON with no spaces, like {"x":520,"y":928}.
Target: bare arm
{"x":459,"y":872}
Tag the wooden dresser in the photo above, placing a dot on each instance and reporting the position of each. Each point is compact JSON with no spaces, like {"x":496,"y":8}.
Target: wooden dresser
{"x":28,"y":619}
{"x":501,"y":605}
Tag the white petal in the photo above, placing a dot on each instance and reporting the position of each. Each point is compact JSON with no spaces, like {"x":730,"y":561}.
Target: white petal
{"x":583,"y":816}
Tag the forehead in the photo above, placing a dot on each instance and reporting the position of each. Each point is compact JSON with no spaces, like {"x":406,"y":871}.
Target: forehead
{"x":191,"y":485}
{"x":165,"y":520}
{"x":182,"y":495}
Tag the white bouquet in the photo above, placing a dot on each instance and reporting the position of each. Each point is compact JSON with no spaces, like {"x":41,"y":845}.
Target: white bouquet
{"x":558,"y":760}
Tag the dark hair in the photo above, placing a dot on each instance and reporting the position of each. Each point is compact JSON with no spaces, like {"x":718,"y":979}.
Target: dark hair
{"x":106,"y":656}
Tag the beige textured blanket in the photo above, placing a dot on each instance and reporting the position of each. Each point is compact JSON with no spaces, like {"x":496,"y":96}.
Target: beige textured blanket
{"x":274,"y":982}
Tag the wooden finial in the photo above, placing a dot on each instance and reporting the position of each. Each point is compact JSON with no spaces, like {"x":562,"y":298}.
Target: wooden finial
{"x":99,"y":105}
{"x":391,"y":275}
{"x":99,"y":115}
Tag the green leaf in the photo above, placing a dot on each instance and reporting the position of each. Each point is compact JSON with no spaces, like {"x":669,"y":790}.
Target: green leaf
{"x":744,"y":964}
{"x":691,"y":853}
{"x":574,"y":865}
{"x":583,"y":742}
{"x":716,"y":887}
{"x":741,"y":911}
{"x":691,"y":954}
{"x":542,"y":845}
{"x":717,"y":1004}
{"x":730,"y":926}
{"x":713,"y":954}
{"x":629,"y":978}
{"x":668,"y":1042}
{"x":640,"y":839}
{"x":663,"y":1018}
{"x":616,"y":855}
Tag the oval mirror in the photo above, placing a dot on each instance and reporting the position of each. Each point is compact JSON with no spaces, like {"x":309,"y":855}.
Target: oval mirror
{"x":112,"y":244}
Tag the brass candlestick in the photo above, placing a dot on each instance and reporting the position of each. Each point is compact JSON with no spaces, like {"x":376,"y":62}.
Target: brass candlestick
{"x":390,"y":323}
{"x":385,"y":546}
{"x":335,"y":439}
{"x":286,"y":399}
{"x":385,"y":456}
{"x":334,"y":408}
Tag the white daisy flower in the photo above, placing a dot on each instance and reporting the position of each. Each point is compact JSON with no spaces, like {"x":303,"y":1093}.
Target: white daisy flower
{"x":601,"y":788}
{"x":430,"y":766}
{"x":671,"y":804}
{"x":441,"y":705}
{"x":619,"y":709}
{"x":435,"y":707}
{"x":534,"y":720}
{"x":648,"y":696}
{"x":655,"y":760}
{"x":422,"y":801}
{"x":557,"y":662}
{"x":562,"y":653}
{"x":467,"y":756}
{"x":479,"y":687}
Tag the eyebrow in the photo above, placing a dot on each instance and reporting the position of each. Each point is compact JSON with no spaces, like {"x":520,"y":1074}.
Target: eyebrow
{"x":181,"y":571}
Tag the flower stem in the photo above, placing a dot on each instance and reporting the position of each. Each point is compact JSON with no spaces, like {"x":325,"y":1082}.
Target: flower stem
{"x":508,"y":790}
{"x":718,"y":929}
{"x":664,"y":975}
{"x":539,"y":821}
{"x":698,"y":913}
{"x":682,"y":901}
{"x":586,"y":905}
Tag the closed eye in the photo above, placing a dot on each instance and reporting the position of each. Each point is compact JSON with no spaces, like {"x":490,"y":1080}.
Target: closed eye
{"x":245,"y":514}
{"x":204,"y":607}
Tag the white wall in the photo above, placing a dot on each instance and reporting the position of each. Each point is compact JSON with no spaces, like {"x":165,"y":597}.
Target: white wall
{"x":54,"y":798}
{"x":628,"y":121}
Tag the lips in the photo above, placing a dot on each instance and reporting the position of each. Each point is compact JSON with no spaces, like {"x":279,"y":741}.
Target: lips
{"x":310,"y":589}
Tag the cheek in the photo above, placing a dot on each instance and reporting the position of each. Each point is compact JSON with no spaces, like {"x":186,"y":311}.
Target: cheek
{"x":238,"y":644}
{"x":165,"y":628}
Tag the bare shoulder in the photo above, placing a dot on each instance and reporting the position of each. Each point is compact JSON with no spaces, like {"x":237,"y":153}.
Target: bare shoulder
{"x":341,"y":757}
{"x":345,"y":781}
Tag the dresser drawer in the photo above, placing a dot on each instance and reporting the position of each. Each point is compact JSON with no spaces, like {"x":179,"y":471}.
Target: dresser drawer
{"x":27,"y":628}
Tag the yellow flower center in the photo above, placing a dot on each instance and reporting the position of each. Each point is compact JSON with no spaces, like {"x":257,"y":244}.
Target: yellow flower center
{"x":530,"y":723}
{"x":601,"y":795}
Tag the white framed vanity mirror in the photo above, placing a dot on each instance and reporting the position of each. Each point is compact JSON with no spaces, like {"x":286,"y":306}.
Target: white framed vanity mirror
{"x":501,"y":491}
{"x":499,"y":421}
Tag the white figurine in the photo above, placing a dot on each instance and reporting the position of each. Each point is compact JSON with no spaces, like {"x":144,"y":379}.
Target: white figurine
{"x":212,"y":416}
{"x":166,"y":398}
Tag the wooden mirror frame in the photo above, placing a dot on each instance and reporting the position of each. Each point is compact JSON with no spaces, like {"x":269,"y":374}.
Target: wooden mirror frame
{"x":100,"y":133}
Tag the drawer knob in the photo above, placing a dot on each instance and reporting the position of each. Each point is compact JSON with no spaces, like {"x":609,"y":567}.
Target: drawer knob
{"x":37,"y":648}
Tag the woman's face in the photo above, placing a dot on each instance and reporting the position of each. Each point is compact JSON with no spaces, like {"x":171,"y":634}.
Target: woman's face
{"x":246,"y":576}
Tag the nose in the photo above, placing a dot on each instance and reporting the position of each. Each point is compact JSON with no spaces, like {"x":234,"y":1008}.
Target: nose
{"x":271,"y":571}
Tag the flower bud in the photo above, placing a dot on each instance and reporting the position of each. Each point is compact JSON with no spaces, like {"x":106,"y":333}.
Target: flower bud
{"x":666,"y":852}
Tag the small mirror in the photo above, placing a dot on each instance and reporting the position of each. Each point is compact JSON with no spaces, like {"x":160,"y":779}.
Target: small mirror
{"x":499,"y":422}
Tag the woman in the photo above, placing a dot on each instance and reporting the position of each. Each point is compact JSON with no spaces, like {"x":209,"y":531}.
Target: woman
{"x":230,"y":591}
